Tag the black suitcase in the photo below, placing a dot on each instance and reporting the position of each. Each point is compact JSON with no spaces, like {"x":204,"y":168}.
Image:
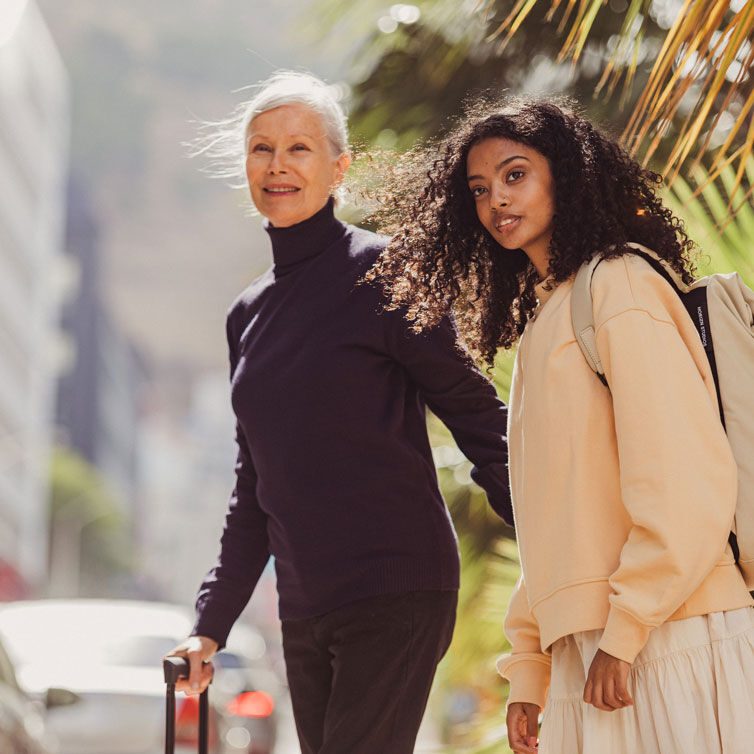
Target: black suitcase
{"x":176,"y":668}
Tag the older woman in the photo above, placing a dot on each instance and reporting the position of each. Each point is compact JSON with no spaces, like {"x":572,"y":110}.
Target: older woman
{"x":335,"y":477}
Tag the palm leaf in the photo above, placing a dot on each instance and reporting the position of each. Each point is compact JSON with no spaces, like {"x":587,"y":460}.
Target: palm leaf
{"x":705,"y":42}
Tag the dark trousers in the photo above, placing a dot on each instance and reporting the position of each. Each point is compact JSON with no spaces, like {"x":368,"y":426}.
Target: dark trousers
{"x":360,"y":676}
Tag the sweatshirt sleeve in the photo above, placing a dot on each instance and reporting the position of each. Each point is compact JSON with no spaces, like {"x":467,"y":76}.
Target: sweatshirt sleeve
{"x":677,"y":473}
{"x":244,"y":549}
{"x":526,"y":667}
{"x":466,"y":402}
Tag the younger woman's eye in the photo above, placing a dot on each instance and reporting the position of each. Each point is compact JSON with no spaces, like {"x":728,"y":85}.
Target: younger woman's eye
{"x":516,"y":174}
{"x":477,"y":191}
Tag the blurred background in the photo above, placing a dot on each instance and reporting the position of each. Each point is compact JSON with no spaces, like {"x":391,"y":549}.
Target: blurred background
{"x":119,"y":258}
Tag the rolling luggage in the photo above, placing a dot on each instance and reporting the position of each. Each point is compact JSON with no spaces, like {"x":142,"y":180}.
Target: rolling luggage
{"x":176,"y":668}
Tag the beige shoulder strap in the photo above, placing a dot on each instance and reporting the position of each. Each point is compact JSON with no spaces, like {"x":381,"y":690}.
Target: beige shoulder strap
{"x":582,"y":308}
{"x":582,"y":315}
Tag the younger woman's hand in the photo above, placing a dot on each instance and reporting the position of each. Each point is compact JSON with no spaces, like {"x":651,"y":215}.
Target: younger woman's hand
{"x":523,"y":722}
{"x":197,"y":650}
{"x":607,"y":683}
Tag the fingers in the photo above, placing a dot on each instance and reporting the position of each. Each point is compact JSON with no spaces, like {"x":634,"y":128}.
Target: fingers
{"x":522,"y":720}
{"x":195,"y":672}
{"x":532,"y":724}
{"x":197,"y":650}
{"x":606,"y":686}
{"x":621,"y":689}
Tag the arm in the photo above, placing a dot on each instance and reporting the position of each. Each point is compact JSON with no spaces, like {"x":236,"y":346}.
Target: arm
{"x":677,"y":474}
{"x":527,"y":667}
{"x":244,"y":552}
{"x":244,"y":549}
{"x":456,"y":391}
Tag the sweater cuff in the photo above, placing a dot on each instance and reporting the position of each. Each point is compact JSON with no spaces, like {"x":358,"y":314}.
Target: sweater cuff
{"x":529,"y":679}
{"x":214,"y":622}
{"x":624,"y":636}
{"x":493,"y":479}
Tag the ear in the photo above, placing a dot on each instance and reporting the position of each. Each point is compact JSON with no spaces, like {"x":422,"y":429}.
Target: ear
{"x":341,"y":166}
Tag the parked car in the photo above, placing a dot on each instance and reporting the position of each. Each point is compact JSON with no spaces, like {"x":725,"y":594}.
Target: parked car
{"x":22,"y":726}
{"x":107,"y":654}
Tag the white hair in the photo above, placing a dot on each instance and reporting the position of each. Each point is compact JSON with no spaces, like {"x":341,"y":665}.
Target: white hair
{"x":224,"y":142}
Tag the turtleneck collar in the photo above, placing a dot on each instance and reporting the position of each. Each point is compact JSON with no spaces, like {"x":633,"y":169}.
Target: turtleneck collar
{"x":310,"y":237}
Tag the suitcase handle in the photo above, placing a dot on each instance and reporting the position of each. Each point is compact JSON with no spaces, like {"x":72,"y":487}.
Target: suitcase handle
{"x":176,"y":668}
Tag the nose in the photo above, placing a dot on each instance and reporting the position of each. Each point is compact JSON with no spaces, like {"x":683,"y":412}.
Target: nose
{"x":276,"y":163}
{"x":499,"y":196}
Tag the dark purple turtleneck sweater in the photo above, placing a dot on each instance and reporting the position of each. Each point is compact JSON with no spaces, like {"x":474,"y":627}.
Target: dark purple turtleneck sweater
{"x":335,"y":477}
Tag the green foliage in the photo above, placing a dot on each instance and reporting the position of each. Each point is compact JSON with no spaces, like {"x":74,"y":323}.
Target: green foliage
{"x":489,"y":570}
{"x":81,"y":504}
{"x":705,"y":206}
{"x":413,"y":81}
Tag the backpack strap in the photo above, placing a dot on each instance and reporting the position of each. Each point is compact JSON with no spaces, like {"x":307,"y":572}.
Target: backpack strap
{"x":582,"y":316}
{"x":582,"y":307}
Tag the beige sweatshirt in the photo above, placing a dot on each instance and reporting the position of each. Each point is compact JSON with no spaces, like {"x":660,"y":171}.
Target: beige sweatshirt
{"x":623,"y":504}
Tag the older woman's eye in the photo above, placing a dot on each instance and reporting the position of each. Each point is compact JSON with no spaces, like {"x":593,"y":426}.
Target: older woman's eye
{"x":301,"y":147}
{"x":260,"y":148}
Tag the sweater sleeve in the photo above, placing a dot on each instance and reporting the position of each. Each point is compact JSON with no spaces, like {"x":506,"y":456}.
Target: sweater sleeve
{"x":244,"y":549}
{"x":466,"y":402}
{"x":677,"y":473}
{"x":526,"y":667}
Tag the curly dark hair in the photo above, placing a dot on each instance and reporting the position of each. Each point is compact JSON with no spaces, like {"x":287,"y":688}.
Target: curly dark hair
{"x":442,"y":260}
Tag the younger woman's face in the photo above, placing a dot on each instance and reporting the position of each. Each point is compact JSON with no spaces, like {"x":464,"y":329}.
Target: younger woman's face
{"x":514,"y":193}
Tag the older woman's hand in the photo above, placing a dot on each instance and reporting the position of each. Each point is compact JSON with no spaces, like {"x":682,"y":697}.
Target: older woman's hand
{"x":197,"y":650}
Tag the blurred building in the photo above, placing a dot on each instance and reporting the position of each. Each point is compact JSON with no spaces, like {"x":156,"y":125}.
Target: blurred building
{"x":101,"y":388}
{"x":34,"y":130}
{"x":188,"y":464}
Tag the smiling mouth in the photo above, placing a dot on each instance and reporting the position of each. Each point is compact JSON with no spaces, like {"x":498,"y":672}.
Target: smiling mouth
{"x":507,"y":223}
{"x":281,"y":190}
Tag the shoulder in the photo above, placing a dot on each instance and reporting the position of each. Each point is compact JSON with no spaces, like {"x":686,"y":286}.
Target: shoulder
{"x":242,"y":309}
{"x":629,"y":283}
{"x":364,"y":246}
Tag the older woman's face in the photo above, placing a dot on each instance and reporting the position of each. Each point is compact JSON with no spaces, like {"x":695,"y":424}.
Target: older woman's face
{"x":290,"y":164}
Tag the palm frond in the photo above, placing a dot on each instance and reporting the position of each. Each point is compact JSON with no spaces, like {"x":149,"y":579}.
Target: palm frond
{"x":704,"y":205}
{"x":707,"y":57}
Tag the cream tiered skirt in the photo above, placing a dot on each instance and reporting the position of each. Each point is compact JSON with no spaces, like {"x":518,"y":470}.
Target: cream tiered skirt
{"x":692,"y":686}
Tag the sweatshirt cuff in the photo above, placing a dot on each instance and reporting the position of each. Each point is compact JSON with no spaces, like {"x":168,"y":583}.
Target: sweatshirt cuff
{"x":624,"y":636}
{"x":529,"y":679}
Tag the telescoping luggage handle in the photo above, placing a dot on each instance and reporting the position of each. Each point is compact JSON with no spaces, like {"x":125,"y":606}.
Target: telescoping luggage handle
{"x":176,"y":668}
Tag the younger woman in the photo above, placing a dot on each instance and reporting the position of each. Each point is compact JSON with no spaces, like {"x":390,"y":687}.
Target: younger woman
{"x":631,"y":624}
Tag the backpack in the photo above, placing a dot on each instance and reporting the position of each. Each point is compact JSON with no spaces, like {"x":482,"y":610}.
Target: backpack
{"x":721,"y":307}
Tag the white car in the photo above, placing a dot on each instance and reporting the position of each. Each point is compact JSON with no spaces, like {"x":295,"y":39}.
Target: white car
{"x":107,"y":655}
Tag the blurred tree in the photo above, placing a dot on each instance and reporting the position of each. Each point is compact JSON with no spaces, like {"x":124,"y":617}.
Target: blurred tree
{"x":418,"y":67}
{"x":89,"y":536}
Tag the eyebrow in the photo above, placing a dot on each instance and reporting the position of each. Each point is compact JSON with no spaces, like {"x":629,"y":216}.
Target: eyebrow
{"x":499,"y":166}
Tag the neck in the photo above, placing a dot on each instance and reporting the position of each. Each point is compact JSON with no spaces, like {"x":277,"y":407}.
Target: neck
{"x":539,"y":256}
{"x":295,"y":244}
